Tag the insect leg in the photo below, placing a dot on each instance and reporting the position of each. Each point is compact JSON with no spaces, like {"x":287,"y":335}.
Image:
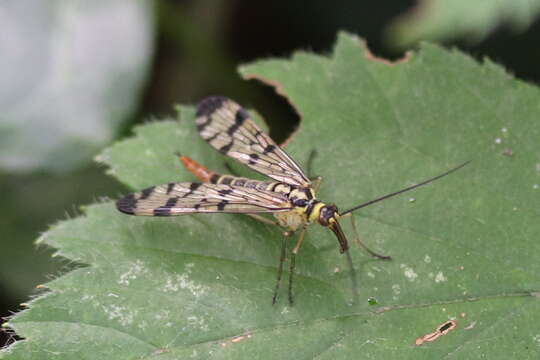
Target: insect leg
{"x":317,"y":183}
{"x":315,"y":179}
{"x":263,"y":219}
{"x":293,"y":261}
{"x":280,"y":267}
{"x":309,"y":167}
{"x":359,"y":242}
{"x":354,"y":280}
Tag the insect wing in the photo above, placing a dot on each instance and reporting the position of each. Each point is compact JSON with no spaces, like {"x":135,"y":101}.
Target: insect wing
{"x":228,"y":128}
{"x":188,"y":198}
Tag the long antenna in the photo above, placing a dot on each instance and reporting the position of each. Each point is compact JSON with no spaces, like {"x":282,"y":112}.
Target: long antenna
{"x":404,"y":190}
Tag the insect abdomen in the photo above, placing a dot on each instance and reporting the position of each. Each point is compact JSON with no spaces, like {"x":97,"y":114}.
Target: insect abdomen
{"x":198,"y":170}
{"x":209,"y":176}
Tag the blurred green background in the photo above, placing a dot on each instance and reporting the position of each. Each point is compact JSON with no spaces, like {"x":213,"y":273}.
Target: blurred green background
{"x":78,"y":75}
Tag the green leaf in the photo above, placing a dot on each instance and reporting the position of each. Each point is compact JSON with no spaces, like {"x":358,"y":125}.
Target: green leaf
{"x":466,"y":248}
{"x":64,"y":89}
{"x":460,"y":19}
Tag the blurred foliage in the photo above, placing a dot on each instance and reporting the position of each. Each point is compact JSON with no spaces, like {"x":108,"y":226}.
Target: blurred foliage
{"x":470,"y":21}
{"x":71,"y":72}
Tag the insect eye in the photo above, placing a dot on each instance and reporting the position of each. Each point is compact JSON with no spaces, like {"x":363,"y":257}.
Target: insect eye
{"x":300,"y":202}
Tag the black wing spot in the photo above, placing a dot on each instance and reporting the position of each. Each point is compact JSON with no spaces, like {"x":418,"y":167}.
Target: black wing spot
{"x":232,"y":129}
{"x":214,"y":178}
{"x":221,"y":204}
{"x":170,"y":187}
{"x":200,"y":127}
{"x":225,"y":148}
{"x":252,"y":159}
{"x":171,"y":202}
{"x":162,"y":211}
{"x":239,"y":118}
{"x":224,"y":192}
{"x":209,"y":105}
{"x":211,"y":137}
{"x":270,"y":148}
{"x":127,"y":204}
{"x":147,"y":192}
{"x":192,"y":188}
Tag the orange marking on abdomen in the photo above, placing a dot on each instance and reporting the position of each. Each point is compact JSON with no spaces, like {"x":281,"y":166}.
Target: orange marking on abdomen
{"x":197,"y":169}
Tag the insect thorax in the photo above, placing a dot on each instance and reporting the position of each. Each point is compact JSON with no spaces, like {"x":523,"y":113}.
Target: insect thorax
{"x":305,"y":206}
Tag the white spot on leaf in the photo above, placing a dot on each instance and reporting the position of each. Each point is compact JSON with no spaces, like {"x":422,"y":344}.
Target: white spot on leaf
{"x":409,"y":272}
{"x":120,"y":313}
{"x":440,"y":277}
{"x":178,"y":282}
{"x":136,"y":269}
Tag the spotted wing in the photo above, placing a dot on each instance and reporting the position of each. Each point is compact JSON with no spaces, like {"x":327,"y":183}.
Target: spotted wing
{"x":228,"y":128}
{"x":187,"y":198}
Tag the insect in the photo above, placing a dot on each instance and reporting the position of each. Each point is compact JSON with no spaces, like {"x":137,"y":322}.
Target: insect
{"x":289,"y":196}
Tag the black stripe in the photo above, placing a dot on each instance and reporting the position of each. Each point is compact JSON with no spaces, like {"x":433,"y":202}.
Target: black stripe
{"x":239,"y":118}
{"x":232,"y":129}
{"x":269,"y":149}
{"x":192,"y":188}
{"x":161,"y":211}
{"x":225,"y":148}
{"x":127,"y":204}
{"x":171,"y":202}
{"x":221,"y":204}
{"x":224,"y":192}
{"x":310,"y":207}
{"x":274,"y":186}
{"x":214,"y":178}
{"x":209,"y":105}
{"x":200,"y":127}
{"x":211,"y":137}
{"x":147,"y":192}
{"x":170,"y":187}
{"x":252,"y":158}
